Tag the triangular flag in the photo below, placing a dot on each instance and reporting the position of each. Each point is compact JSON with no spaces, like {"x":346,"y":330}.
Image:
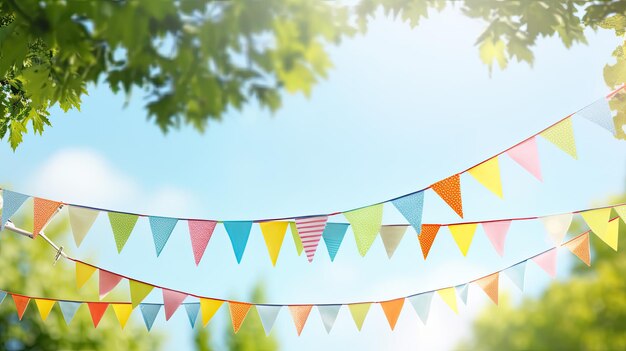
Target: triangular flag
{"x":3,"y":295}
{"x":427,"y":237}
{"x":448,"y":295}
{"x":122,"y":312}
{"x":11,"y":202}
{"x":149,"y":313}
{"x":162,"y":228}
{"x":547,"y":261}
{"x":392,"y":310}
{"x":557,"y":226}
{"x":365,"y":223}
{"x":516,"y":274}
{"x":200,"y":233}
{"x":621,"y":211}
{"x":192,"y":312}
{"x":580,"y":247}
{"x":208,"y":308}
{"x":296,"y":237}
{"x":138,"y":291}
{"x":310,"y":230}
{"x":238,"y":232}
{"x":83,"y":273}
{"x":273,"y":234}
{"x":108,"y":281}
{"x":421,"y":304}
{"x":43,"y":210}
{"x":68,"y":310}
{"x":81,"y":220}
{"x":44,"y":306}
{"x":359,"y":312}
{"x":599,"y":113}
{"x":611,"y":234}
{"x":392,"y":235}
{"x":526,"y":154}
{"x":488,"y":174}
{"x":463,"y":235}
{"x":333,"y":236}
{"x":97,"y":309}
{"x":562,"y":135}
{"x":462,"y":290}
{"x":300,"y":314}
{"x":172,"y":300}
{"x":122,"y":225}
{"x":597,"y":220}
{"x":490,"y":285}
{"x":449,"y":190}
{"x":496,"y":232}
{"x":238,"y":313}
{"x":21,"y":303}
{"x":268,"y":314}
{"x":328,"y":313}
{"x":411,"y":207}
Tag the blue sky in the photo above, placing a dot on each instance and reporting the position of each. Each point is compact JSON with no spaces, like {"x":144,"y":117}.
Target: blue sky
{"x":400,"y":110}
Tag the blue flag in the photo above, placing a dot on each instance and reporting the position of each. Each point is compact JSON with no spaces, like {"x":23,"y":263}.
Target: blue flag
{"x":162,"y":228}
{"x":11,"y":202}
{"x":3,"y":294}
{"x":333,"y":236}
{"x":599,"y":113}
{"x":192,"y":312}
{"x":411,"y":207}
{"x":238,"y":232}
{"x":421,"y":304}
{"x":68,"y":310}
{"x":149,"y":312}
{"x":516,"y":274}
{"x":461,"y":290}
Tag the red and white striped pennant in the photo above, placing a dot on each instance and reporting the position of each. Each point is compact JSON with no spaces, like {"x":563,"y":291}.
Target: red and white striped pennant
{"x":310,"y":230}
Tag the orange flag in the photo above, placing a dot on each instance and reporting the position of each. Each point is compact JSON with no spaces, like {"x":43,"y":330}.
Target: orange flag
{"x":43,"y":211}
{"x":580,"y":247}
{"x":97,"y":309}
{"x":238,"y":312}
{"x":449,"y":190}
{"x":392,"y":310}
{"x":427,"y":237}
{"x":300,"y":314}
{"x":490,"y":285}
{"x":21,"y":302}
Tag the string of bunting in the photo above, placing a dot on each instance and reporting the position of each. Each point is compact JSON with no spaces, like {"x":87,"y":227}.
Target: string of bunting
{"x":268,"y":313}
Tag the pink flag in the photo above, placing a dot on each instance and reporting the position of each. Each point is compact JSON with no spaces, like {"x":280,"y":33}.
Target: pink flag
{"x":310,"y":230}
{"x":200,"y":233}
{"x":108,"y":281}
{"x":547,"y":262}
{"x":526,"y":155}
{"x":496,"y":232}
{"x":171,"y":300}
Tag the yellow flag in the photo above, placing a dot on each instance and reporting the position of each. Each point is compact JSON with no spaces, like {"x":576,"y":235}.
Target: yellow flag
{"x":83,"y":273}
{"x":273,"y":233}
{"x":359,"y":312}
{"x":488,"y":174}
{"x":463,"y":235}
{"x":122,"y":312}
{"x":610,"y":235}
{"x":44,"y":307}
{"x":138,"y":291}
{"x":562,"y":135}
{"x":208,"y":308}
{"x":448,"y":295}
{"x":597,"y":220}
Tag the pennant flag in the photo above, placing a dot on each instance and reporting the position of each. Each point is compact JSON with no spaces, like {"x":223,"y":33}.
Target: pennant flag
{"x":359,"y":312}
{"x":3,"y":295}
{"x":580,"y":247}
{"x":274,"y":234}
{"x":621,"y":212}
{"x":172,"y":300}
{"x":138,"y":291}
{"x":122,"y":312}
{"x":597,"y":220}
{"x":83,"y":273}
{"x":328,"y":313}
{"x":208,"y":308}
{"x":122,"y":225}
{"x":268,"y":315}
{"x":391,"y":235}
{"x":68,"y":310}
{"x":200,"y":233}
{"x":547,"y":262}
{"x":489,"y":284}
{"x":108,"y":281}
{"x":11,"y":202}
{"x":44,"y":306}
{"x":516,"y":274}
{"x":149,"y":313}
{"x":300,"y":314}
{"x":97,"y":309}
{"x":462,"y":290}
{"x":463,"y":235}
{"x":310,"y":230}
{"x":162,"y":228}
{"x":448,"y":295}
{"x":427,"y":237}
{"x":610,"y":236}
{"x":411,"y":207}
{"x":562,"y":135}
{"x":599,"y":113}
{"x":192,"y":312}
{"x":296,"y":237}
{"x":557,"y":226}
{"x":365,"y":223}
{"x":238,"y":232}
{"x":333,"y":236}
{"x":488,"y":174}
{"x":526,"y":154}
{"x":392,"y":310}
{"x":496,"y":232}
{"x":421,"y":304}
{"x":81,"y":220}
{"x":238,"y":312}
{"x":449,"y":190}
{"x":43,"y":210}
{"x":21,"y":303}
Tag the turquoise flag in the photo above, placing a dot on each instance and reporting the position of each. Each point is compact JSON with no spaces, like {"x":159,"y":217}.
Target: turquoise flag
{"x":411,"y":207}
{"x":421,"y":304}
{"x":238,"y":232}
{"x":149,"y":312}
{"x":68,"y":310}
{"x":333,"y":236}
{"x":11,"y":202}
{"x":516,"y":274}
{"x":461,"y":290}
{"x":162,"y":228}
{"x":268,"y":316}
{"x":192,"y":312}
{"x":329,"y":315}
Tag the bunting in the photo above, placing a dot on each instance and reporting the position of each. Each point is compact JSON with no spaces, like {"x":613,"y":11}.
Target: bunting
{"x":200,"y":233}
{"x":310,"y":230}
{"x":599,"y":113}
{"x":547,"y":262}
{"x":44,"y":306}
{"x":43,"y":210}
{"x":83,"y":273}
{"x":557,"y":226}
{"x":108,"y":281}
{"x":463,"y":235}
{"x":449,"y":190}
{"x":411,"y":207}
{"x":192,"y":310}
{"x":238,"y":313}
{"x":611,"y":234}
{"x":97,"y":309}
{"x":490,"y":285}
{"x":274,"y":234}
{"x":172,"y":300}
{"x":149,"y":313}
{"x":426,"y":239}
{"x":391,"y":236}
{"x":21,"y":303}
{"x":81,"y":220}
{"x":68,"y":310}
{"x":580,"y":248}
{"x":392,"y":310}
{"x":138,"y":292}
{"x":162,"y":228}
{"x":526,"y":154}
{"x":621,"y":212}
{"x":333,"y":236}
{"x":122,"y":225}
{"x":208,"y":307}
{"x":448,"y":296}
{"x":296,"y":238}
{"x":328,"y":313}
{"x":11,"y":203}
{"x":488,"y":174}
{"x":365,"y":223}
{"x":462,"y":291}
{"x":359,"y":312}
{"x":268,"y":315}
{"x":597,"y":220}
{"x":421,"y":305}
{"x":516,"y":274}
{"x":300,"y":313}
{"x":122,"y":312}
{"x":562,"y":136}
{"x":496,"y":232}
{"x":238,"y":232}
